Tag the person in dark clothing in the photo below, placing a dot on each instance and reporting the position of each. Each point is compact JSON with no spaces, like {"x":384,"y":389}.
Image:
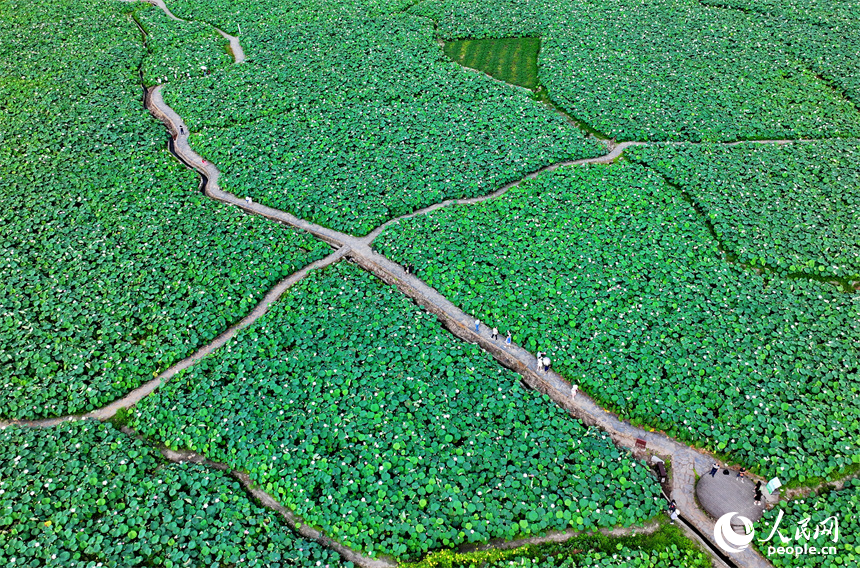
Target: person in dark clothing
{"x":714,"y":469}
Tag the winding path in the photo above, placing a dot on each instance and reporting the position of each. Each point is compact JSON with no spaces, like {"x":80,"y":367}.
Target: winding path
{"x":235,"y":46}
{"x":501,"y":544}
{"x":155,"y":103}
{"x":293,"y":521}
{"x":615,"y":151}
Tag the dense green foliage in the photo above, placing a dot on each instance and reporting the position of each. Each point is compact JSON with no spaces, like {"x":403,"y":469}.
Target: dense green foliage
{"x":829,"y":52}
{"x":824,"y":34}
{"x":792,"y":207}
{"x":614,"y":274}
{"x":667,"y":548}
{"x":819,"y":510}
{"x":242,"y":17}
{"x":670,"y":69}
{"x":347,"y":116}
{"x":513,"y":60}
{"x":674,"y":70}
{"x":355,"y":409}
{"x":113,"y":266}
{"x":179,"y":50}
{"x":823,"y":12}
{"x":85,"y":495}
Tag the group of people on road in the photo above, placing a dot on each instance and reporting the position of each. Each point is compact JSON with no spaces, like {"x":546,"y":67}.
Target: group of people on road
{"x":494,"y":335}
{"x":742,"y":473}
{"x":543,"y":361}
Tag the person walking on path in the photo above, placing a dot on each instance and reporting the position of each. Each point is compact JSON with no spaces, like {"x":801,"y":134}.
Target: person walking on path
{"x":741,"y":474}
{"x":573,"y":389}
{"x":508,"y":338}
{"x":673,"y":516}
{"x":546,"y":363}
{"x":495,"y":334}
{"x":672,"y":506}
{"x":714,"y":469}
{"x":477,"y":326}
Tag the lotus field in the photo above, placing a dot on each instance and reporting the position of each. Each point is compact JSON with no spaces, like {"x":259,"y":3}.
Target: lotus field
{"x":613,"y":272}
{"x":672,"y":69}
{"x":179,"y":50}
{"x":791,"y":208}
{"x":353,"y":408}
{"x":364,"y":120}
{"x":83,"y":494}
{"x":114,"y":265}
{"x":823,"y":520}
{"x":697,"y":286}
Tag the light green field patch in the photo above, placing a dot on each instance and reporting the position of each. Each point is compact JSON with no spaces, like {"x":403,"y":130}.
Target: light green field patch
{"x":510,"y":59}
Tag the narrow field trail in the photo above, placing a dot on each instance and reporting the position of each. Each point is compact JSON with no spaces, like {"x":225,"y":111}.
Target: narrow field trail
{"x":159,"y":109}
{"x":615,"y":151}
{"x":165,"y":9}
{"x":235,"y":46}
{"x":292,"y":520}
{"x":555,"y":537}
{"x":147,"y":388}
